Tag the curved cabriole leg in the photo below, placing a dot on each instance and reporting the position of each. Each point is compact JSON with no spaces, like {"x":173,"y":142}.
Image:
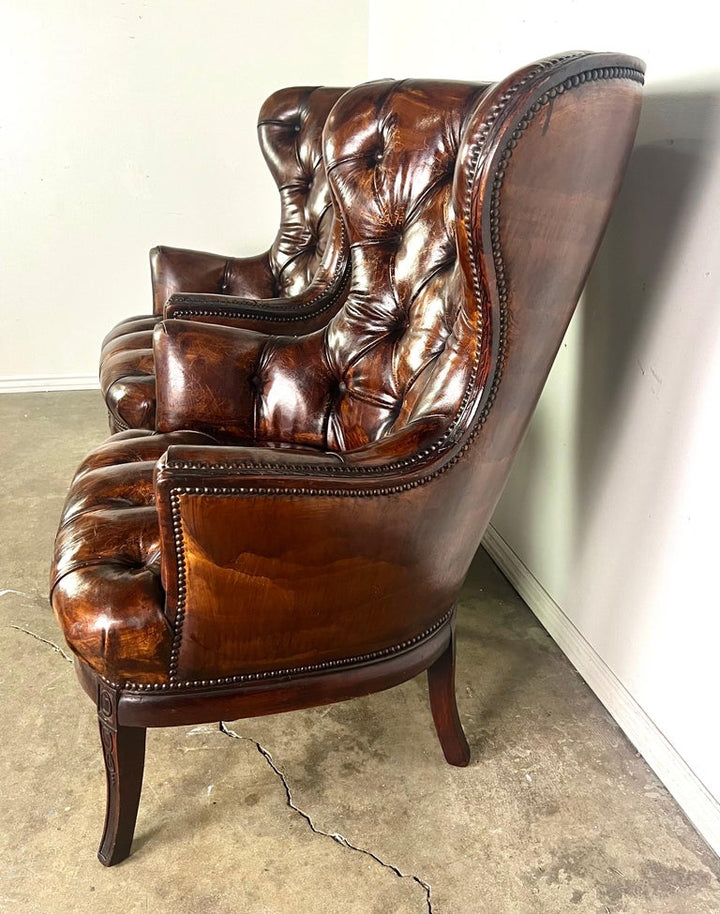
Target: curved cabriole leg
{"x":124,"y":755}
{"x":441,"y":684}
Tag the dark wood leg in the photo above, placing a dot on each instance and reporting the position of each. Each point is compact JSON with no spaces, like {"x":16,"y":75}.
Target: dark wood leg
{"x":124,"y":754}
{"x":441,"y":684}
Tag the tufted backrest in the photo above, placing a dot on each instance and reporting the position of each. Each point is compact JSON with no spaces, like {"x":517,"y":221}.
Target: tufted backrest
{"x":392,"y":347}
{"x":389,"y":356}
{"x":443,"y":287}
{"x":290,"y":129}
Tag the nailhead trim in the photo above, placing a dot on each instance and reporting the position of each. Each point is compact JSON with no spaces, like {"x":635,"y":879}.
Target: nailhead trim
{"x":332,"y":291}
{"x":181,"y":575}
{"x":325,"y":667}
{"x":118,"y":421}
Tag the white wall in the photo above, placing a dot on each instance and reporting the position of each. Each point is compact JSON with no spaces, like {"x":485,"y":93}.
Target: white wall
{"x":127,"y":123}
{"x":609,"y":523}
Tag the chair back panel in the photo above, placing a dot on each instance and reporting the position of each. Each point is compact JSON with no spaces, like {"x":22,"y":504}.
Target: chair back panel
{"x":396,"y":352}
{"x":307,"y":244}
{"x":391,"y":152}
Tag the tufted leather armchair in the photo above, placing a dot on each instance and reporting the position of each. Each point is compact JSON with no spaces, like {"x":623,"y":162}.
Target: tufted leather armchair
{"x":297,"y":529}
{"x":301,"y":277}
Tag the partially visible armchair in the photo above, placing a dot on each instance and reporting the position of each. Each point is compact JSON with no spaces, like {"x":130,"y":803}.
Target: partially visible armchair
{"x":300,"y":277}
{"x":297,"y":529}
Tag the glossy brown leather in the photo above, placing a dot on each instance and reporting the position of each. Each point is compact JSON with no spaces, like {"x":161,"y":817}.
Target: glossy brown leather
{"x":299,"y":276}
{"x":423,"y":338}
{"x":472,"y":219}
{"x":402,"y":345}
{"x":299,"y":527}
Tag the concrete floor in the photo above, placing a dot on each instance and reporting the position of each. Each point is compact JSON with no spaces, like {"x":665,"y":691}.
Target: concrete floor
{"x":348,"y":808}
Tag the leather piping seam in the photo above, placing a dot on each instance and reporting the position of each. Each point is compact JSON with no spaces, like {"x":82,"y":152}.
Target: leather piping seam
{"x":136,"y":374}
{"x":326,"y":666}
{"x":446,"y":440}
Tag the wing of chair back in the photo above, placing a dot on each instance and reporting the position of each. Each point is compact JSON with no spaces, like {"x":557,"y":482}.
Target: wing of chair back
{"x":300,"y":276}
{"x":306,"y":540}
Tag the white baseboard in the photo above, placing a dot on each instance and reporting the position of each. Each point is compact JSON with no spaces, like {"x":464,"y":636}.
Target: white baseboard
{"x":692,"y":796}
{"x":30,"y":383}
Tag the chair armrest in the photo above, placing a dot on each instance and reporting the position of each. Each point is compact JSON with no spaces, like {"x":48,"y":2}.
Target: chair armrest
{"x":177,"y":269}
{"x":239,"y":385}
{"x":315,"y":550}
{"x":205,"y":377}
{"x":290,"y":315}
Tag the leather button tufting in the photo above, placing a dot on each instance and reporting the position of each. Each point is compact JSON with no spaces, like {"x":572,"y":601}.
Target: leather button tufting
{"x":394,"y":240}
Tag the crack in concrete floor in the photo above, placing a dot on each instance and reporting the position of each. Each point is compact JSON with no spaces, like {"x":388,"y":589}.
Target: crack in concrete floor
{"x":55,"y":647}
{"x":335,"y":836}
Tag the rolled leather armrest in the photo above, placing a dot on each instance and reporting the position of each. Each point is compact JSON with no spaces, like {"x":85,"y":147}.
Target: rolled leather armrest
{"x":205,"y":377}
{"x":241,"y":386}
{"x":177,"y":269}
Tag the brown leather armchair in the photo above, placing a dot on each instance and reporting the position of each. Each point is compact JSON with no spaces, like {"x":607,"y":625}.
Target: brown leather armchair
{"x":297,"y":529}
{"x":301,"y":276}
